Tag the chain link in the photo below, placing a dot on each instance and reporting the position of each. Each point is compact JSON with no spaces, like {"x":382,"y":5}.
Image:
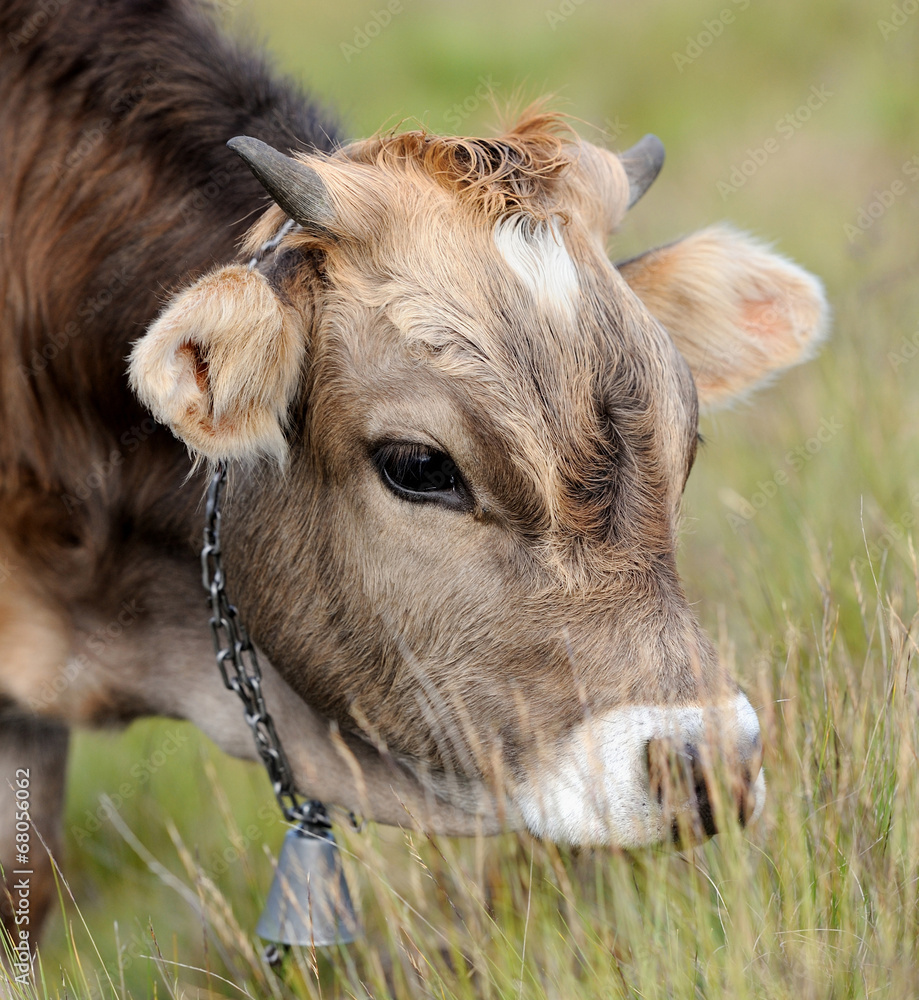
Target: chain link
{"x":238,"y":664}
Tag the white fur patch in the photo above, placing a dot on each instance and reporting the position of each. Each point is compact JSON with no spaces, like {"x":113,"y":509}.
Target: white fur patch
{"x":536,"y":253}
{"x":599,"y":793}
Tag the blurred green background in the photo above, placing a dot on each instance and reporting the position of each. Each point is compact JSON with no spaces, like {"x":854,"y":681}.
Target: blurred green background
{"x":726,"y":86}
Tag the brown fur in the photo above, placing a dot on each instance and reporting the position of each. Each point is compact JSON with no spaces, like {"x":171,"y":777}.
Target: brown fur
{"x":440,"y":656}
{"x":511,"y":174}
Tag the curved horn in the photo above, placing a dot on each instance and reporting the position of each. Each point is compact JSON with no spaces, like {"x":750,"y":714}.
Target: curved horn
{"x":297,"y":188}
{"x":642,"y":164}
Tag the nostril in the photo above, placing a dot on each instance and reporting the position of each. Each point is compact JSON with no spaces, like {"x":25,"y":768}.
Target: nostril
{"x":700,"y":797}
{"x":682,"y":781}
{"x":677,"y":781}
{"x":694,"y":781}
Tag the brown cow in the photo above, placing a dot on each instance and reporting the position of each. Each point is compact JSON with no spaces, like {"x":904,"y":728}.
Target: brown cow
{"x":459,"y":439}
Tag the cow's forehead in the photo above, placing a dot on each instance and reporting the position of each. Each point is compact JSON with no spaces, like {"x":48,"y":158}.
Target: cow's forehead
{"x":490,"y":256}
{"x":549,"y":358}
{"x":535,"y":304}
{"x":501,"y":236}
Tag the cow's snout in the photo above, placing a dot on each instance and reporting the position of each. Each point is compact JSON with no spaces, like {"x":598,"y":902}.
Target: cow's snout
{"x":647,"y":774}
{"x":683,"y":779}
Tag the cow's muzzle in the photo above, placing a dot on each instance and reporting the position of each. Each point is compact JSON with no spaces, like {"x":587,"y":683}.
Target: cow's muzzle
{"x":641,"y":775}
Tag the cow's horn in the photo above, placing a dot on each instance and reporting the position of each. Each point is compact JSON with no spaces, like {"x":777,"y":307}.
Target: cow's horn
{"x":297,"y":188}
{"x":642,"y":164}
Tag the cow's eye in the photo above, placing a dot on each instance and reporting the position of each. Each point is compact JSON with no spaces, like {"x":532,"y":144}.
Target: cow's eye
{"x":420,"y":474}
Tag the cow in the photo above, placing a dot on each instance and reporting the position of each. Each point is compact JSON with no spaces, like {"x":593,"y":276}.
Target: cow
{"x":457,"y":437}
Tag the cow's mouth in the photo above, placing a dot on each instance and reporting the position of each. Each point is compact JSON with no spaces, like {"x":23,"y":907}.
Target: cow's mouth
{"x":632,"y":778}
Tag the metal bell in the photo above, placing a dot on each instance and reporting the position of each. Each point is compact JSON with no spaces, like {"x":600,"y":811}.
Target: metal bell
{"x":309,"y":903}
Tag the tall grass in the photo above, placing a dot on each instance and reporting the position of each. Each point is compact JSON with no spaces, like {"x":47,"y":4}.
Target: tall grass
{"x":818,"y":900}
{"x":813,"y":596}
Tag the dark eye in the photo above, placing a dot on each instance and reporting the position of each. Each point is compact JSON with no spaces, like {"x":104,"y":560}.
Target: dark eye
{"x":420,"y":474}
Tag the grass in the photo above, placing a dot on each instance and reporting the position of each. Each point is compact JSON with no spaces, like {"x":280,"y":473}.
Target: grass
{"x":810,"y":591}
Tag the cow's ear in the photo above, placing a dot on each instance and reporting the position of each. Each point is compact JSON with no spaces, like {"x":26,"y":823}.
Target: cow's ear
{"x":738,"y":312}
{"x":221,"y":364}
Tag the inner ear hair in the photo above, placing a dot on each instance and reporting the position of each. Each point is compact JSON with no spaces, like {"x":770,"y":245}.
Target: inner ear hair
{"x":221,"y":364}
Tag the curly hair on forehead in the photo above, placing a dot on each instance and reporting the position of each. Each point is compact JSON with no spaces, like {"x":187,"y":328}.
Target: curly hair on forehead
{"x":510,"y":173}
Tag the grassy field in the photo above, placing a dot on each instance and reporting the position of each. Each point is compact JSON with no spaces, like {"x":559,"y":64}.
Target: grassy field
{"x":807,"y":580}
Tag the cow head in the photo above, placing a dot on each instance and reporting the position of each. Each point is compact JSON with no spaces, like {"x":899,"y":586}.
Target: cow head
{"x":463,"y":438}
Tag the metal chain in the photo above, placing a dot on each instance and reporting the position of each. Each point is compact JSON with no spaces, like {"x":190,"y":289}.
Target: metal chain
{"x":238,"y":663}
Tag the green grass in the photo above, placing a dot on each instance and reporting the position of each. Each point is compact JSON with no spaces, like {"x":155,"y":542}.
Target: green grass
{"x":819,"y":899}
